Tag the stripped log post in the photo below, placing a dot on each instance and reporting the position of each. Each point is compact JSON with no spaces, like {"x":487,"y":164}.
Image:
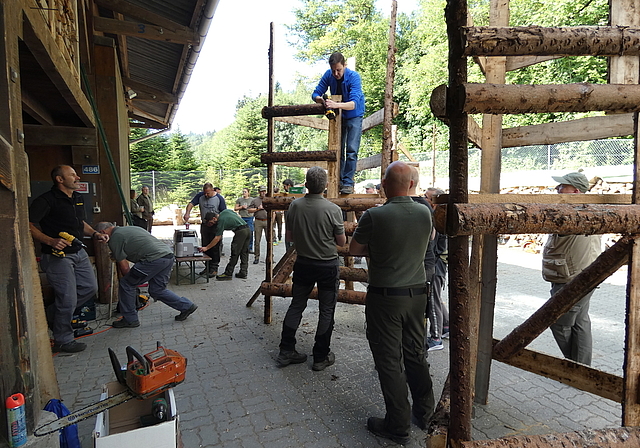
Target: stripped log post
{"x":571,"y":293}
{"x":439,"y":425}
{"x":348,"y":204}
{"x":566,"y":219}
{"x":292,"y":111}
{"x":298,"y":156}
{"x":286,"y":290}
{"x":281,"y":272}
{"x":551,"y":41}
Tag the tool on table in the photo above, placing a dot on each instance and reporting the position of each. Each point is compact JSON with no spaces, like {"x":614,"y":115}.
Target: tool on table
{"x":72,"y":239}
{"x":145,"y":376}
{"x":329,"y":113}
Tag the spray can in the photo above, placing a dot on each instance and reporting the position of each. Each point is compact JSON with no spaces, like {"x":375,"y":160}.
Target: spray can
{"x":16,"y":420}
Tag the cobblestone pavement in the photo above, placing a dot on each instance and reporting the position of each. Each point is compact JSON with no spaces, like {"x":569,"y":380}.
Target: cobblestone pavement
{"x":236,"y":396}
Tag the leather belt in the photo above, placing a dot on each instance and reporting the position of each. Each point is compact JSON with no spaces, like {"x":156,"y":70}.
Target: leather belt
{"x":398,"y":291}
{"x":261,"y":219}
{"x":241,"y":227}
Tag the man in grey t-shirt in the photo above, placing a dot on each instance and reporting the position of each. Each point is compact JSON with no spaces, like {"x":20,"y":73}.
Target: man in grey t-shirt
{"x":315,"y":226}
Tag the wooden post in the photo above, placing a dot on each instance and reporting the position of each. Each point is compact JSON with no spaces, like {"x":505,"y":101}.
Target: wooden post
{"x":270,"y":181}
{"x":387,"y":140}
{"x":333,"y":145}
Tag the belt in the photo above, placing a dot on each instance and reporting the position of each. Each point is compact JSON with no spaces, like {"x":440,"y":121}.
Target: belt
{"x":241,"y":227}
{"x":398,"y":291}
{"x":261,"y":219}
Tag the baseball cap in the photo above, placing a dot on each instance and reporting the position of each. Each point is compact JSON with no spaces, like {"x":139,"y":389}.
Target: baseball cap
{"x":287,"y":182}
{"x":370,"y":185}
{"x":262,"y":188}
{"x":576,"y":179}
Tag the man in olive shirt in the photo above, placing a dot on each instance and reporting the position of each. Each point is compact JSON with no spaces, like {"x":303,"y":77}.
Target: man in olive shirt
{"x":229,"y":220}
{"x":395,"y":303}
{"x":315,"y":226}
{"x":242,"y":207}
{"x":260,"y":221}
{"x":153,"y":263}
{"x":144,"y":200}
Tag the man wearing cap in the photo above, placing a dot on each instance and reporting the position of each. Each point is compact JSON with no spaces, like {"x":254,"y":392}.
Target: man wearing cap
{"x":259,"y":221}
{"x":370,"y":189}
{"x":564,"y":257}
{"x":229,"y":220}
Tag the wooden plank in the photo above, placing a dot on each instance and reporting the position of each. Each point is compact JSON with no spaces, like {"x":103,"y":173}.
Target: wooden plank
{"x":590,"y":128}
{"x":146,"y":115}
{"x":631,"y":402}
{"x":311,"y":122}
{"x":489,"y":198}
{"x":377,"y":118}
{"x":38,"y":135}
{"x":5,"y":164}
{"x":475,"y":132}
{"x":333,"y":144}
{"x":517,"y":62}
{"x":406,"y":152}
{"x":35,"y":109}
{"x":145,"y":31}
{"x":624,"y":69}
{"x":123,"y":50}
{"x":136,"y":12}
{"x":155,"y":94}
{"x":369,"y":162}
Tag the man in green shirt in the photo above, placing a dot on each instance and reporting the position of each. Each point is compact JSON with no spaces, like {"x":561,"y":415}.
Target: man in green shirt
{"x":229,"y":220}
{"x":153,"y":263}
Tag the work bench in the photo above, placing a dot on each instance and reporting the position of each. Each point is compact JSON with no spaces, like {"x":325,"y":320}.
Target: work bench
{"x":192,"y":275}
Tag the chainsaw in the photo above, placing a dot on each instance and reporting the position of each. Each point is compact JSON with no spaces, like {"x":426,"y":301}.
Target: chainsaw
{"x":145,"y":376}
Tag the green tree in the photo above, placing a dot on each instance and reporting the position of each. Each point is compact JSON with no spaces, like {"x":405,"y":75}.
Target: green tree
{"x":148,"y":155}
{"x":249,"y":139}
{"x":180,"y":154}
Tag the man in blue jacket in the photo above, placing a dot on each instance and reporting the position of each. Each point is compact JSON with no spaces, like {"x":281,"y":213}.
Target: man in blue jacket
{"x":345,"y":82}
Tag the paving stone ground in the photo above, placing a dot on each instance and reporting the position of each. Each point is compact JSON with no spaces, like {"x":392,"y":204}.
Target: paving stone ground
{"x":236,"y":396}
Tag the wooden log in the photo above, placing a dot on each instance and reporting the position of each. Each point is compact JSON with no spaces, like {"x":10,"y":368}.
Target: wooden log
{"x":439,"y":425}
{"x":566,"y":371}
{"x":521,"y":99}
{"x":348,"y":204}
{"x":104,"y":270}
{"x":311,"y":122}
{"x":369,"y":162}
{"x":387,"y":134}
{"x":292,"y":111}
{"x":626,"y":437}
{"x":285,"y":290}
{"x":377,"y":118}
{"x":511,"y":198}
{"x":566,"y":219}
{"x":298,"y":156}
{"x":281,"y":272}
{"x":551,"y":41}
{"x":571,"y":293}
{"x":145,"y":31}
{"x":353,"y":274}
{"x":517,"y":62}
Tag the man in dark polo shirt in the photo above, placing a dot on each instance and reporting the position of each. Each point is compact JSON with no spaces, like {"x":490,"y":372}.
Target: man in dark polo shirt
{"x":229,"y":220}
{"x":315,"y":227}
{"x":259,"y":221}
{"x":67,"y":266}
{"x":395,"y":303}
{"x":153,"y":263}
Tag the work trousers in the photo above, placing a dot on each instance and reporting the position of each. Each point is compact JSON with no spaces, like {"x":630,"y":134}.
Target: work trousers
{"x":208,"y":233}
{"x":572,"y":331}
{"x":350,"y":145}
{"x":436,"y":308}
{"x":306,"y":273}
{"x":157,"y":274}
{"x":277,"y":223}
{"x":249,"y":221}
{"x":239,"y":249}
{"x":260,"y":227}
{"x":395,"y":331}
{"x":74,"y":283}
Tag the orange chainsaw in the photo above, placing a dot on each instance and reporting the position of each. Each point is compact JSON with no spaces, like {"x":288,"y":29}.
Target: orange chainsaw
{"x":145,"y":376}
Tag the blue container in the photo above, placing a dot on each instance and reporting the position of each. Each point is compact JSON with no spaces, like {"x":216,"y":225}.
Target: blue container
{"x":16,"y":420}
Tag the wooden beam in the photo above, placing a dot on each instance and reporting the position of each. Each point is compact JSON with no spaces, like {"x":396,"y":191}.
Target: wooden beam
{"x":298,"y":156}
{"x":566,"y":371}
{"x":610,"y":438}
{"x":369,"y":162}
{"x":38,"y":135}
{"x":286,"y":290}
{"x":406,"y":152}
{"x":475,"y":132}
{"x":489,"y":198}
{"x":149,"y":92}
{"x":334,"y":139}
{"x":311,"y":122}
{"x":292,"y":111}
{"x":551,"y":41}
{"x":377,"y":118}
{"x":141,"y":113}
{"x":136,"y":12}
{"x":590,"y":128}
{"x":145,"y":31}
{"x":123,"y":50}
{"x":35,"y":109}
{"x":518,"y":62}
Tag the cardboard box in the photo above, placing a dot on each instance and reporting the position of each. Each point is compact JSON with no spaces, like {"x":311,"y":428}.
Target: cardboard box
{"x":120,"y":426}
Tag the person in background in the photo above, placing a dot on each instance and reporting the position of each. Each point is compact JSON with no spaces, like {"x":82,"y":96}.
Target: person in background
{"x":228,"y":220}
{"x":242,"y":207}
{"x":153,"y":262}
{"x":67,"y":266}
{"x":395,"y":303}
{"x":564,"y":257}
{"x":345,"y":82}
{"x":260,"y":221}
{"x":144,"y":200}
{"x":136,"y":211}
{"x":315,"y":226}
{"x":370,"y":189}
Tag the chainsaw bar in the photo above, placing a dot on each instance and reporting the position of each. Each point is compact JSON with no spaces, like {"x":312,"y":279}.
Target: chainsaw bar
{"x":84,"y":413}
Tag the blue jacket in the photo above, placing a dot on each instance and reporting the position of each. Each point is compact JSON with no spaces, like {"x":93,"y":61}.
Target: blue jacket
{"x":351,"y":91}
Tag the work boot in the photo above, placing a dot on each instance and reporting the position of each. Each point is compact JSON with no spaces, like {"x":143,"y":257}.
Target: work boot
{"x":290,"y":357}
{"x":69,"y":347}
{"x":328,"y":361}
{"x":376,"y":426}
{"x":347,"y":189}
{"x":241,"y":275}
{"x":122,"y":323}
{"x":186,"y":313}
{"x":224,"y":276}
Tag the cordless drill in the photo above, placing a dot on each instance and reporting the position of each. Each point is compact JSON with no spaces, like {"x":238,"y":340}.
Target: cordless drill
{"x":72,"y":239}
{"x":329,"y":113}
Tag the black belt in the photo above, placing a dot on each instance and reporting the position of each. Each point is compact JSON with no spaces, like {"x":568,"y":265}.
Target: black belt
{"x":261,"y":219}
{"x":241,"y":227}
{"x":398,"y":291}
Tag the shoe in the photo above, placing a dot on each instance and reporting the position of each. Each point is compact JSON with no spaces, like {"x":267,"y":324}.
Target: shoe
{"x":275,"y":243}
{"x":376,"y":426}
{"x":239,"y":275}
{"x":125,"y":324}
{"x":445,"y":333}
{"x":69,"y":347}
{"x":256,"y":261}
{"x":203,"y":272}
{"x":419,"y":422}
{"x":328,"y":361}
{"x":434,"y":344}
{"x":186,"y":313}
{"x":224,"y":277}
{"x":251,"y":251}
{"x":293,"y":357}
{"x":347,"y":189}
{"x":212,"y":274}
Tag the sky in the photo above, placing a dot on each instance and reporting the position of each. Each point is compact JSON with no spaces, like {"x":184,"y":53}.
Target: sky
{"x":234,"y":61}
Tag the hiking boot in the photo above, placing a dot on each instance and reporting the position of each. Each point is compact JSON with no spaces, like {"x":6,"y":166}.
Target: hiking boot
{"x":347,"y":189}
{"x":186,"y":313}
{"x":434,"y":344}
{"x":376,"y":426}
{"x":125,"y":324}
{"x":69,"y":347}
{"x":241,"y":275}
{"x":224,"y":277}
{"x":290,"y":357}
{"x":328,"y":361}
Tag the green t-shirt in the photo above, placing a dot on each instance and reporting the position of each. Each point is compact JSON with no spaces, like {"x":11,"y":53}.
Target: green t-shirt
{"x":397,"y":235}
{"x":228,"y":220}
{"x":136,"y":244}
{"x":246,"y":202}
{"x":314,"y":222}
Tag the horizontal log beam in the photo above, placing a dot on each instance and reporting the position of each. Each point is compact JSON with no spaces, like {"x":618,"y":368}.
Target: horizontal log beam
{"x":367,"y":163}
{"x":130,"y":10}
{"x":348,"y":204}
{"x":310,"y":122}
{"x":626,"y":437}
{"x":566,"y":219}
{"x":285,"y":290}
{"x":377,"y":118}
{"x":38,"y":135}
{"x":551,"y":41}
{"x":565,"y":371}
{"x":511,"y":198}
{"x":562,"y":301}
{"x":298,"y":156}
{"x":145,"y":31}
{"x":151,"y":92}
{"x":521,"y":99}
{"x":292,"y":111}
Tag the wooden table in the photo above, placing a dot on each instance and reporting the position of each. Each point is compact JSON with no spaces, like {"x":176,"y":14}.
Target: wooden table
{"x":192,"y":275}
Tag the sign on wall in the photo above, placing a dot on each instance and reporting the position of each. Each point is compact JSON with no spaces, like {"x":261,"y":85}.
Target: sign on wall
{"x":90,"y":169}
